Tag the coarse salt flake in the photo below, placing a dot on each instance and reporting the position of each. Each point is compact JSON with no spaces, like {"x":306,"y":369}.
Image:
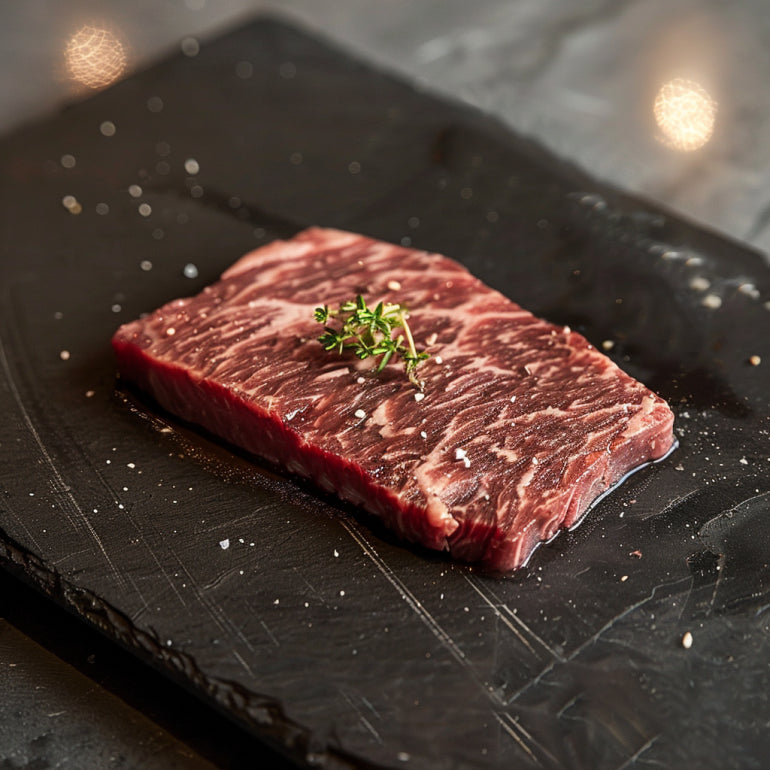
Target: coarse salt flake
{"x":461,"y":454}
{"x":700,"y":283}
{"x":419,"y":396}
{"x":224,"y":544}
{"x":360,"y":413}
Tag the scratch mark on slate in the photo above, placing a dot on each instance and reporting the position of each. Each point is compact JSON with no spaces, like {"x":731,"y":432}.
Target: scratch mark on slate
{"x":533,"y":741}
{"x":638,"y":753}
{"x":593,"y":638}
{"x":272,"y":636}
{"x":240,"y":659}
{"x":511,"y":726}
{"x":566,"y":707}
{"x":215,"y":613}
{"x":501,"y":610}
{"x":23,"y":525}
{"x":312,"y":588}
{"x":414,"y":603}
{"x":371,"y":708}
{"x":58,"y":482}
{"x":146,"y":607}
{"x":686,"y":599}
{"x":364,"y":721}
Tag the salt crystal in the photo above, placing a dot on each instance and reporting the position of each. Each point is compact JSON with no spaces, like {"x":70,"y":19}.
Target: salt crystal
{"x":700,"y":283}
{"x":461,"y":454}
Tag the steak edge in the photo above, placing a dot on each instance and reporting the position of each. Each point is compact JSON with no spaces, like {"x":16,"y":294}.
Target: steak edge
{"x":521,"y":427}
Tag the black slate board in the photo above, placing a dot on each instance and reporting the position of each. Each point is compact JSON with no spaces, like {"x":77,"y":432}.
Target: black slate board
{"x":314,"y":629}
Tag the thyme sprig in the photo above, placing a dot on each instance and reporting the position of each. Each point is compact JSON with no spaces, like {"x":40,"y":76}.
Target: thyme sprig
{"x":370,"y":333}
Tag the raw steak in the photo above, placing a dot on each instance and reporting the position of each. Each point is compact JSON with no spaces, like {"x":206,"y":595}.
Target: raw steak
{"x":521,"y":427}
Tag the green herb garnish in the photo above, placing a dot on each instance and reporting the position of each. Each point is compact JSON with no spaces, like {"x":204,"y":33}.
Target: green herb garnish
{"x":370,"y":333}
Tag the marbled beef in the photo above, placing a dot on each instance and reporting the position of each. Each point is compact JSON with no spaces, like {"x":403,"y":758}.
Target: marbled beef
{"x":522,"y":424}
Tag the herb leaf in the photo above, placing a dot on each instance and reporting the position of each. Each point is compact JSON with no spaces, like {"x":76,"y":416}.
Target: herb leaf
{"x":370,"y":333}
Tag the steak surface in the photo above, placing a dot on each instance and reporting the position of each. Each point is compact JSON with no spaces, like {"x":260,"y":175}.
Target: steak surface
{"x":522,"y":424}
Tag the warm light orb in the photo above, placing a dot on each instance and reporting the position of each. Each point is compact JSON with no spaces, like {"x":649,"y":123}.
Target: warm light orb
{"x":95,"y":56}
{"x":685,"y":113}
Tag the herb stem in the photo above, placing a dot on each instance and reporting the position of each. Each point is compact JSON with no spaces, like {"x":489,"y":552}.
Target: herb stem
{"x":370,"y":333}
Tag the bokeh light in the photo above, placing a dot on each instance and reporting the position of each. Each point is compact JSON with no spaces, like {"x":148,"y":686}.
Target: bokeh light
{"x":685,"y":114}
{"x":95,"y":56}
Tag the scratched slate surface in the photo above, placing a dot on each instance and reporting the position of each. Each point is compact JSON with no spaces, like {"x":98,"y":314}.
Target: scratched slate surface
{"x":313,"y":628}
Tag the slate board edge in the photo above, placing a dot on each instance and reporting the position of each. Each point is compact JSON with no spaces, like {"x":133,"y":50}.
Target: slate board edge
{"x":261,"y":715}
